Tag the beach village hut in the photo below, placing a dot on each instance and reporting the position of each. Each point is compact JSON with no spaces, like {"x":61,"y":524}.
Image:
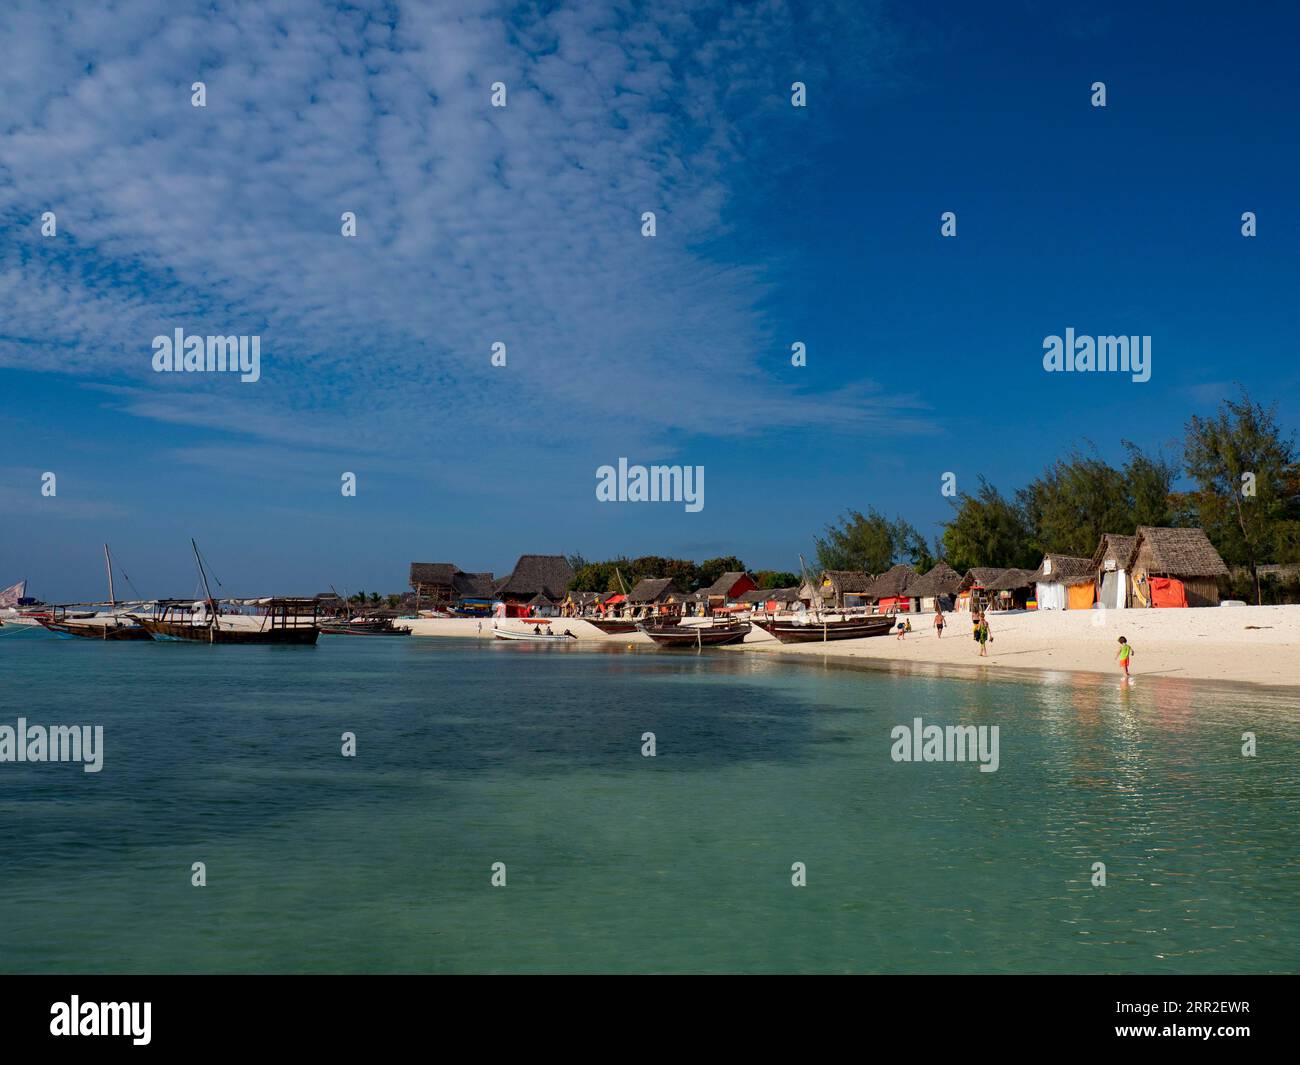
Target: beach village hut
{"x":1064,"y":582}
{"x":1006,"y":589}
{"x":889,"y":591}
{"x":837,"y":589}
{"x":1110,"y":572}
{"x":727,"y":590}
{"x":771,"y":600}
{"x":1174,"y":567}
{"x":547,"y":575}
{"x":973,"y":594}
{"x":652,"y":595}
{"x":937,"y":587}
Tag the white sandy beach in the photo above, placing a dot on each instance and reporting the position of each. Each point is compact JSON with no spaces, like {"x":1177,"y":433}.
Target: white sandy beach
{"x":1252,"y":644}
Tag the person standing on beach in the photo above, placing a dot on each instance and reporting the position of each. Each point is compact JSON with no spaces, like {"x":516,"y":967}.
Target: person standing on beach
{"x":1124,"y":655}
{"x":938,"y":622}
{"x":983,"y":636}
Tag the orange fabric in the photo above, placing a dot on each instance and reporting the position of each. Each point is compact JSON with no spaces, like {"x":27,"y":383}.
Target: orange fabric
{"x":1165,"y":591}
{"x":1079,"y":596}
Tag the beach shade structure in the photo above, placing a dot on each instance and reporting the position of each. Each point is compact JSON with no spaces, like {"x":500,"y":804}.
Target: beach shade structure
{"x":1110,"y":572}
{"x":937,"y":587}
{"x":1063,"y":582}
{"x":890,"y":591}
{"x":1182,"y":556}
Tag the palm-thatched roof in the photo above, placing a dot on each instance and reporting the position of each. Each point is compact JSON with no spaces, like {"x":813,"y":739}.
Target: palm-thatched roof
{"x":1178,"y":552}
{"x":1114,"y":546}
{"x":474,"y":585}
{"x":895,"y":581}
{"x":653,"y":589}
{"x":852,"y":581}
{"x":941,"y":579}
{"x":549,"y":574}
{"x":980,"y":577}
{"x":437,"y":573}
{"x":1065,"y":569}
{"x":1010,"y":580}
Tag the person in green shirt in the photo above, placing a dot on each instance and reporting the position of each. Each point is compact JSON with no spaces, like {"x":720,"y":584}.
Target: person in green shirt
{"x":1125,"y":654}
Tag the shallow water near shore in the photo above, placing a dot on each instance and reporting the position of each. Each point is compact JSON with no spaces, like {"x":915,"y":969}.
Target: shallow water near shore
{"x":472,"y":752}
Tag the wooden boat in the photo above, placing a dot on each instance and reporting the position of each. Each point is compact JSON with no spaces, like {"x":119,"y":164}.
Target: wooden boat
{"x":364,"y":627}
{"x":96,"y":627}
{"x":611,"y":625}
{"x":697,"y":635}
{"x":531,"y":636}
{"x":854,"y":628}
{"x":112,"y":624}
{"x":283,"y":620}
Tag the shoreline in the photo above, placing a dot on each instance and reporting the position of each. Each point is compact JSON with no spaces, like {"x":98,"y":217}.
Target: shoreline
{"x":1256,"y":645}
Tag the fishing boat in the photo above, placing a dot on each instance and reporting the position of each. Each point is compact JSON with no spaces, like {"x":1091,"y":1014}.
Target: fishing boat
{"x":531,"y":636}
{"x":671,"y":635}
{"x":813,"y":630}
{"x":278,"y":619}
{"x":115,"y":623}
{"x":364,"y":627}
{"x":612,"y":625}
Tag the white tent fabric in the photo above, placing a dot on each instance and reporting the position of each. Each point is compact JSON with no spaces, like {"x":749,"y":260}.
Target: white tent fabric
{"x":1052,"y":596}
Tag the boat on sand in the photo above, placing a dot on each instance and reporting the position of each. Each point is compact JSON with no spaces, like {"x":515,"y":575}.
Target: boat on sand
{"x":697,"y":636}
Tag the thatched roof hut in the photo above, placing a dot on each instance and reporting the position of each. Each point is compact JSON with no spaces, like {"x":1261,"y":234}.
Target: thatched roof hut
{"x":654,"y":590}
{"x":729,"y":587}
{"x":1064,"y":582}
{"x":894,"y":583}
{"x":940,"y":580}
{"x":1011,"y":580}
{"x":979,"y":577}
{"x":838,"y":587}
{"x":548,"y":574}
{"x":1183,"y":556}
{"x":1113,"y":547}
{"x":1062,"y":569}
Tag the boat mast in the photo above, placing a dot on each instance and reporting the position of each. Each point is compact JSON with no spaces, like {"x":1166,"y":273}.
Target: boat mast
{"x":212,"y":606}
{"x":108,"y":564}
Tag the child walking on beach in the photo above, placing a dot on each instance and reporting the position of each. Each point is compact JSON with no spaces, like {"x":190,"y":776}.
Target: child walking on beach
{"x":1124,"y":655}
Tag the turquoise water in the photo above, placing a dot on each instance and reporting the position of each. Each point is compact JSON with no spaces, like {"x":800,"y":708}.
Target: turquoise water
{"x":472,"y":753}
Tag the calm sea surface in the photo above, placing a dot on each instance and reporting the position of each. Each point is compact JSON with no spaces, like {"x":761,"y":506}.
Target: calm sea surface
{"x":472,"y":753}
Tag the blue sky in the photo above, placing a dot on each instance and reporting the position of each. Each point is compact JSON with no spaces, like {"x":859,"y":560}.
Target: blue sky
{"x":522,"y":224}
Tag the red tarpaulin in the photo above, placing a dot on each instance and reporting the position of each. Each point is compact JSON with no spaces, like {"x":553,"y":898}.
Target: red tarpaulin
{"x":614,"y":600}
{"x":1165,"y":591}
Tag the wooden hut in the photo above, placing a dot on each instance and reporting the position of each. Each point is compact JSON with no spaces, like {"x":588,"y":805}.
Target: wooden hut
{"x":889,"y":591}
{"x":1063,"y":582}
{"x":1174,"y":567}
{"x":1110,"y":571}
{"x":547,"y":575}
{"x":652,"y":595}
{"x":839,"y":588}
{"x":937,"y":587}
{"x":728,"y":588}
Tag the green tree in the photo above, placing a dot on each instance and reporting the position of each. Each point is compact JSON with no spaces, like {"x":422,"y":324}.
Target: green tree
{"x":1246,"y":495}
{"x":868,"y":542}
{"x":711,"y":569}
{"x":771,"y":578}
{"x":988,"y":530}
